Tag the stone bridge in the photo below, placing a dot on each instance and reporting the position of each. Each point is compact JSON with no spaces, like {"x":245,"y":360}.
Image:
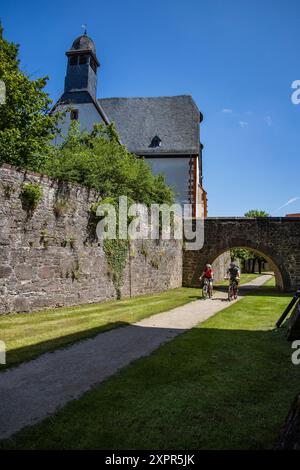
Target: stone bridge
{"x":277,"y":239}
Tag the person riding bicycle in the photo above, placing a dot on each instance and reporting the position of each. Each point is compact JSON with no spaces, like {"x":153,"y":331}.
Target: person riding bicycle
{"x":208,"y":277}
{"x":208,"y":273}
{"x":233,"y":272}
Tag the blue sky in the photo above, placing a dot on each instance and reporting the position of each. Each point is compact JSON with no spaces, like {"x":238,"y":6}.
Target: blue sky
{"x":237,"y":58}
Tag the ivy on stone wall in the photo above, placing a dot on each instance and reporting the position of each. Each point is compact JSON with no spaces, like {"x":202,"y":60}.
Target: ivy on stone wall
{"x":94,"y":219}
{"x":115,"y":250}
{"x":116,"y":253}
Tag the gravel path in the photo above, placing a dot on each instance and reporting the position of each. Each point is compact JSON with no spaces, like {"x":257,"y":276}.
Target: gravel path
{"x":33,"y":390}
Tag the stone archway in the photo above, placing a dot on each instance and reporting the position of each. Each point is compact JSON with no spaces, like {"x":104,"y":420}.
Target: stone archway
{"x":276,"y":239}
{"x":281,"y":275}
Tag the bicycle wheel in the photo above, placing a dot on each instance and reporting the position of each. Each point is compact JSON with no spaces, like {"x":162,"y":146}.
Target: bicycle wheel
{"x":235,"y":291}
{"x":230,"y":292}
{"x":204,"y":291}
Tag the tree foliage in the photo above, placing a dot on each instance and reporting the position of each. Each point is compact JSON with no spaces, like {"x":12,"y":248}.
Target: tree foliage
{"x":250,"y":257}
{"x":97,"y":160}
{"x":31,"y":195}
{"x":256,"y":213}
{"x":26,"y":128}
{"x":241,"y":253}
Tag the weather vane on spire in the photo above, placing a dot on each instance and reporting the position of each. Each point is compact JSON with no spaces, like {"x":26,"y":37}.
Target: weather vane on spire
{"x":84,"y":26}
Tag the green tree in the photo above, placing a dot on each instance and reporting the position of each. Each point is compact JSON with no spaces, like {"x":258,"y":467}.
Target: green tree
{"x":256,"y":213}
{"x":26,"y":128}
{"x":250,"y":258}
{"x":256,"y":259}
{"x":243,"y":255}
{"x":97,"y":160}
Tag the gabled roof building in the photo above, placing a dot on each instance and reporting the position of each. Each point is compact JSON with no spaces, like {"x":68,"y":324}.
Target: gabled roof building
{"x":164,"y":130}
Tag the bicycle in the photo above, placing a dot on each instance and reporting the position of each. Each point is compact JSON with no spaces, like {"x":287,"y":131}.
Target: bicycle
{"x":207,"y":289}
{"x":233,"y":289}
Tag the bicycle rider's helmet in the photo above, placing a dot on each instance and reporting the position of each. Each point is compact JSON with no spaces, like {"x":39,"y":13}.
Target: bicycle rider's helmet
{"x":232,"y":264}
{"x":208,"y":266}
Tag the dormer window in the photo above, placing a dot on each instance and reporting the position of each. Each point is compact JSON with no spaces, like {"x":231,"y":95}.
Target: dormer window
{"x":74,"y":114}
{"x":155,"y":142}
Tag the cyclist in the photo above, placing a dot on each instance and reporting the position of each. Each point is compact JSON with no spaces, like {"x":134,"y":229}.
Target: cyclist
{"x":233,"y":273}
{"x":208,"y":274}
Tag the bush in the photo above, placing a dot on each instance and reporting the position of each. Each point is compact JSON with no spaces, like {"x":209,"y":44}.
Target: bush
{"x":97,"y":160}
{"x":31,"y":195}
{"x":60,"y":207}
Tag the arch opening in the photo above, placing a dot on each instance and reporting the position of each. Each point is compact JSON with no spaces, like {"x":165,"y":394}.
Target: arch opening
{"x":282,"y":278}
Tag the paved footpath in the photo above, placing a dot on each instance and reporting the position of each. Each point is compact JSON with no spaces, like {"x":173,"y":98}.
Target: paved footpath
{"x":33,"y":390}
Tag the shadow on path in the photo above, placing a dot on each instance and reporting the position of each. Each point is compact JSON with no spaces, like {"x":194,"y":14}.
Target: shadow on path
{"x":210,"y":389}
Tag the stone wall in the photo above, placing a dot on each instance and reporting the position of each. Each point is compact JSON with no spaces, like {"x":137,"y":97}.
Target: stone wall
{"x":47,"y":258}
{"x":220,"y":266}
{"x":274,"y":238}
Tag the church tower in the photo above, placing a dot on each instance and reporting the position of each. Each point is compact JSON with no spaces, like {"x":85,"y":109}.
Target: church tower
{"x":82,"y":66}
{"x":79,"y":101}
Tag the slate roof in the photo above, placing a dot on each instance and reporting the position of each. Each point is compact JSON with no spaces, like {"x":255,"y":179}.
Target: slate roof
{"x":174,"y":119}
{"x":74,"y":97}
{"x":83,"y":43}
